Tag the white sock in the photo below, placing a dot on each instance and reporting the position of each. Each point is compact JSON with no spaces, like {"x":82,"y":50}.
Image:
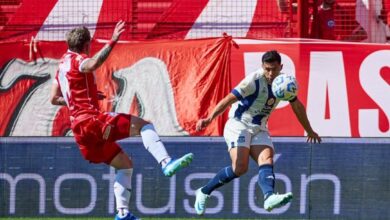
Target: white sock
{"x":122,"y":190}
{"x":165,"y":162}
{"x":122,"y":213}
{"x":153,"y":143}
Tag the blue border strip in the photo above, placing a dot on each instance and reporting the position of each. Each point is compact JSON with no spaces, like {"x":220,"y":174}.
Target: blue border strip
{"x":195,"y":139}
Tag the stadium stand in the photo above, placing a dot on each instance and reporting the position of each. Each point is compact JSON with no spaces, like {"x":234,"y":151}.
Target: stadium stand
{"x":345,"y":18}
{"x":7,"y":10}
{"x":169,"y":19}
{"x":146,"y":14}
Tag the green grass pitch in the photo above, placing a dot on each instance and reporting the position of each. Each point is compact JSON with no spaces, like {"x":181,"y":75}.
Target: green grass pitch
{"x":97,"y":218}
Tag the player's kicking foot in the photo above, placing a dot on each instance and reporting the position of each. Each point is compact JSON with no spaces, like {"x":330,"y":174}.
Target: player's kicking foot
{"x":129,"y":216}
{"x":176,"y":164}
{"x":200,"y":202}
{"x":277,"y":200}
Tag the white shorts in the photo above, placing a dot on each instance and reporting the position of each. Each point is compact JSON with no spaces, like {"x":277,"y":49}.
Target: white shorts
{"x":239,"y":134}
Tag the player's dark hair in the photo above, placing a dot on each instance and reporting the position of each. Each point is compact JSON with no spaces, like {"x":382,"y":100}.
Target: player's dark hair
{"x":77,"y":37}
{"x":271,"y":56}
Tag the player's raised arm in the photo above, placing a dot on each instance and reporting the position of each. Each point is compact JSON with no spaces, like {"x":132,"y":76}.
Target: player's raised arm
{"x":96,"y":61}
{"x":219,"y":109}
{"x":300,"y":113}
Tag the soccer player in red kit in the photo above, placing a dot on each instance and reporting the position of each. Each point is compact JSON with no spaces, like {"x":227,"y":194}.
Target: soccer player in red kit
{"x":95,"y":131}
{"x":323,"y":25}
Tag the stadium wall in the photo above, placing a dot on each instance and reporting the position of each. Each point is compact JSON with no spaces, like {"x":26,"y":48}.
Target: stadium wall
{"x":338,"y":179}
{"x":344,"y":86}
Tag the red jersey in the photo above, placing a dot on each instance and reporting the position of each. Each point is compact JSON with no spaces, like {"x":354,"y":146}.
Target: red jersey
{"x":78,"y":89}
{"x":95,"y":132}
{"x":323,"y":25}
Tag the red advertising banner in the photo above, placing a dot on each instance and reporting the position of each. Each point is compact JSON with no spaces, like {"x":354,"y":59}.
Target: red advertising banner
{"x":171,"y":83}
{"x":344,"y":86}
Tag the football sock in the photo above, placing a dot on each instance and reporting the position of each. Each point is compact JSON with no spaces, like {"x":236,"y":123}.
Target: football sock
{"x":122,"y":213}
{"x":165,"y":162}
{"x":153,"y":144}
{"x":266,"y":179}
{"x":122,"y":190}
{"x":224,"y":176}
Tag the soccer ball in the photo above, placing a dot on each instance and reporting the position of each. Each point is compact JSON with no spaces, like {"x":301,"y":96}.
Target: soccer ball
{"x":285,"y":87}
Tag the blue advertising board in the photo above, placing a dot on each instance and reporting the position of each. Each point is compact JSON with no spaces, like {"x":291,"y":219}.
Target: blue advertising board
{"x":338,"y":179}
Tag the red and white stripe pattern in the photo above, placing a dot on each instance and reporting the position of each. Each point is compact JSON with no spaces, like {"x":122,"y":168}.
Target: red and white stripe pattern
{"x":51,"y":19}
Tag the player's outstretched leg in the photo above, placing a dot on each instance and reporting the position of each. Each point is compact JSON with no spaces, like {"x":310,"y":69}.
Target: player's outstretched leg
{"x":154,"y":145}
{"x":200,"y":202}
{"x":224,"y":176}
{"x":267,"y":184}
{"x":176,"y":164}
{"x":277,"y":200}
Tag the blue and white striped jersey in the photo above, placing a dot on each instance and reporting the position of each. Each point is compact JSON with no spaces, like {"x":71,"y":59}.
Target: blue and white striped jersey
{"x":256,"y":101}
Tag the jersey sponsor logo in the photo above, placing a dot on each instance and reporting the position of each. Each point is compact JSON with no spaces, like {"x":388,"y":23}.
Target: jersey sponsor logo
{"x":270,"y":177}
{"x":106,"y":133}
{"x":79,"y":58}
{"x":112,"y":114}
{"x":331,"y":23}
{"x":241,"y":139}
{"x":270,"y":101}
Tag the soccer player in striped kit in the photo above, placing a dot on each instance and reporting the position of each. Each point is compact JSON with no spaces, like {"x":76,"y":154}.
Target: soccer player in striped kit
{"x":246,"y":133}
{"x":96,"y":132}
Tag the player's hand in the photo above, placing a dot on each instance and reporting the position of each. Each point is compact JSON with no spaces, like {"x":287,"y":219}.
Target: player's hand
{"x":313,"y":137}
{"x":100,"y":95}
{"x":202,"y":123}
{"x":119,"y":29}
